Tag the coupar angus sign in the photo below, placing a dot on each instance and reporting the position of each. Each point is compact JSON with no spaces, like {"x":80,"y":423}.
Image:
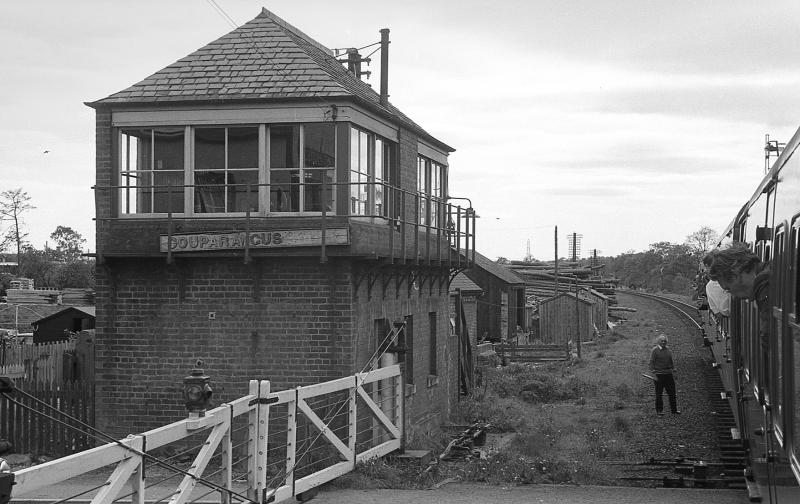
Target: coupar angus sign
{"x":231,"y":240}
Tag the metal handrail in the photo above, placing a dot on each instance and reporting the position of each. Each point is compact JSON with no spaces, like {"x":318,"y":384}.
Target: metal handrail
{"x":441,"y":220}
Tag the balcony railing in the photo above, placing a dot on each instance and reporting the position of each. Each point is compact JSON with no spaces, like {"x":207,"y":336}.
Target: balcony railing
{"x":419,"y":227}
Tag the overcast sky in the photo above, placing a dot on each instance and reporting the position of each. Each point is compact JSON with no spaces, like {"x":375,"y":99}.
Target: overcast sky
{"x":629,"y":122}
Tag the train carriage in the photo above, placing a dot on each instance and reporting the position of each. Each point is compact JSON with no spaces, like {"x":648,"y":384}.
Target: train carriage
{"x":766,"y":378}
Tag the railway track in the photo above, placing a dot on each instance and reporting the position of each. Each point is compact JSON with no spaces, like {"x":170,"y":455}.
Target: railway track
{"x":728,"y":471}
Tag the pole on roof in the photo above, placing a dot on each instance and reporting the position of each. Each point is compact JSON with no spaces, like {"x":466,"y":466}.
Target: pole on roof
{"x":384,"y":66}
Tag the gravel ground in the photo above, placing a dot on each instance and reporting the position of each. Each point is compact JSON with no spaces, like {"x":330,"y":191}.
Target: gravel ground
{"x":692,"y":434}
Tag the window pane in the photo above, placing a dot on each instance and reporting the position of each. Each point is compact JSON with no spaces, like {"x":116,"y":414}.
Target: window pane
{"x":354,"y":159}
{"x":314,"y":198}
{"x":284,"y":192}
{"x":135,"y":149}
{"x":379,"y":176}
{"x":320,"y":145}
{"x":168,"y":149}
{"x":284,"y":146}
{"x":240,"y":197}
{"x":209,"y":192}
{"x":144,"y":195}
{"x":128,"y":192}
{"x":209,"y":148}
{"x":168,"y":192}
{"x":243,"y":147}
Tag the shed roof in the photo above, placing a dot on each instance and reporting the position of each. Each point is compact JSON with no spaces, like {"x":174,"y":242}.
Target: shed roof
{"x":265,"y":59}
{"x":461,"y":281}
{"x":567,"y":294}
{"x":82,"y":310}
{"x":498,"y":270}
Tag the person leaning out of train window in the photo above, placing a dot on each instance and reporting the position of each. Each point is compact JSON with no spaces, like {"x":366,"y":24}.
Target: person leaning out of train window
{"x":663,"y":367}
{"x":745,"y":276}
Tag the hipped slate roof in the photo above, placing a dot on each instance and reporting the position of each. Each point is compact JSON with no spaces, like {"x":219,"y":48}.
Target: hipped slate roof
{"x":498,"y":270}
{"x":266,"y":59}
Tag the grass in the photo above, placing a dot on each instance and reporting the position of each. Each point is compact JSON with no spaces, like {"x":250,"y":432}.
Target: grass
{"x":566,"y":420}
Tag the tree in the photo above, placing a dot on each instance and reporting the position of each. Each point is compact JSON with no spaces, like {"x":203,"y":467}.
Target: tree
{"x":702,"y":240}
{"x":69,"y":243}
{"x":13,"y":203}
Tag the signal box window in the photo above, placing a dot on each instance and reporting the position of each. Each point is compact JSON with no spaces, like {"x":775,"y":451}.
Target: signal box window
{"x":152,"y":170}
{"x":226,"y":170}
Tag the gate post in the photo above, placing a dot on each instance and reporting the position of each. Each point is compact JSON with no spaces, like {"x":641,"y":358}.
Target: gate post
{"x":258,"y":421}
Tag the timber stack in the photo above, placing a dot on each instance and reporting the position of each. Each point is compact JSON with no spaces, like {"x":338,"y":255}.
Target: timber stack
{"x":540,"y":279}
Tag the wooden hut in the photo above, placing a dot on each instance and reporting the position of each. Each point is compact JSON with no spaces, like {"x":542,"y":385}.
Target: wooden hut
{"x":600,"y":301}
{"x":564,"y":316}
{"x":501,"y":308}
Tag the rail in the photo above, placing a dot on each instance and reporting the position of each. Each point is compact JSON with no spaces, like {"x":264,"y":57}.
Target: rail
{"x":420,"y":222}
{"x":288,"y":443}
{"x":675,"y":304}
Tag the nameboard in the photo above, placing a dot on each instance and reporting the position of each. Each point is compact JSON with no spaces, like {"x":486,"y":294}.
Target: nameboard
{"x":233,"y":240}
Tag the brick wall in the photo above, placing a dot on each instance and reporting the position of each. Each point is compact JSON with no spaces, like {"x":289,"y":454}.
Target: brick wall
{"x":430,"y":399}
{"x":287,"y":320}
{"x":293,"y":321}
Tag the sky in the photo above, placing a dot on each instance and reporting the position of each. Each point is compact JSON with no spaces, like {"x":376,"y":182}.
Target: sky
{"x":628,"y":122}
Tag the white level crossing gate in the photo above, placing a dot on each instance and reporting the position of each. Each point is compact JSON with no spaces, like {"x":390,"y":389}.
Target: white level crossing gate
{"x":268,"y":446}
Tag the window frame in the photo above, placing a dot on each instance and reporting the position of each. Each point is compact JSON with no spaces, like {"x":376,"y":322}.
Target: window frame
{"x":372,"y":180}
{"x":429,"y":172}
{"x":225,"y":169}
{"x":123,"y":159}
{"x":121,"y":168}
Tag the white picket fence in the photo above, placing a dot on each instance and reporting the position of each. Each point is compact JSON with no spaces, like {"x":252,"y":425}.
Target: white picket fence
{"x":286,"y":434}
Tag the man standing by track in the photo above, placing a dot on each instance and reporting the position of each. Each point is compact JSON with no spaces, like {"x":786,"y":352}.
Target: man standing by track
{"x":662,"y":366}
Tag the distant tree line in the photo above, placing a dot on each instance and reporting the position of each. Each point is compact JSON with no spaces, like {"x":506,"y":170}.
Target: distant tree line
{"x":57,"y":267}
{"x":665,"y":266}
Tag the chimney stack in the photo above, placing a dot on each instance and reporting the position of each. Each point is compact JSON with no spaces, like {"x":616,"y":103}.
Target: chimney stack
{"x":384,"y":66}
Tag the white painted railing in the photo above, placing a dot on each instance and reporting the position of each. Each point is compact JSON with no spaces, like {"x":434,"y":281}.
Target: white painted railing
{"x":348,"y":420}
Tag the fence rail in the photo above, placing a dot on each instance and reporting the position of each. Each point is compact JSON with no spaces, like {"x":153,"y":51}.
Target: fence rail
{"x":294,"y":440}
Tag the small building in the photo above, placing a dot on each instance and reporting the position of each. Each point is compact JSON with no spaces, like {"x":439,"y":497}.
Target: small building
{"x":563,"y":317}
{"x":58,"y":326}
{"x":501,"y":308}
{"x":600,"y":300}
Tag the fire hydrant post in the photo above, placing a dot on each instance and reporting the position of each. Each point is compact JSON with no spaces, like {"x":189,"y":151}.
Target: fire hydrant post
{"x":197,"y":391}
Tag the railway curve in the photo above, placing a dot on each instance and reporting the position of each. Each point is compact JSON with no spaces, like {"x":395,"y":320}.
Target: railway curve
{"x":706,"y":421}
